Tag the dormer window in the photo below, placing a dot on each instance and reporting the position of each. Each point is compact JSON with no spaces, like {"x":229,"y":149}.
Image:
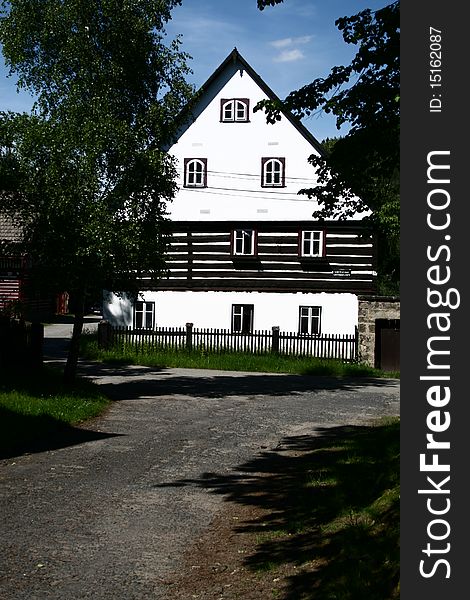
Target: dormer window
{"x":195,"y":172}
{"x":234,"y":110}
{"x":273,"y":172}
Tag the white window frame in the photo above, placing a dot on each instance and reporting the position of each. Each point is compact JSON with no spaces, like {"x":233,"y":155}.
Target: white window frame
{"x":244,"y":242}
{"x":195,"y":172}
{"x":310,"y":320}
{"x":312,"y":243}
{"x":146,"y":310}
{"x":273,"y":172}
{"x":234,"y":110}
{"x":242,"y":318}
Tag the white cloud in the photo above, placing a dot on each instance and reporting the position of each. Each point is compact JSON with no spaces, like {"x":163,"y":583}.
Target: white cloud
{"x":284,"y":43}
{"x":289,"y":55}
{"x":305,"y":39}
{"x":200,"y":29}
{"x":289,"y":46}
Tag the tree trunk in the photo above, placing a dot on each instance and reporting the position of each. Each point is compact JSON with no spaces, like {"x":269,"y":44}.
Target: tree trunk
{"x":70,"y":371}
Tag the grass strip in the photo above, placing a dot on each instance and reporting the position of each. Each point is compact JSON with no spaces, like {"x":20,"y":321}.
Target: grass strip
{"x":38,"y":405}
{"x":334,"y":527}
{"x":236,"y":361}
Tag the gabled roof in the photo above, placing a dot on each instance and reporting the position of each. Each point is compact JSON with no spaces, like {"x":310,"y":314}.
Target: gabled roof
{"x":235,"y":56}
{"x":232,"y":59}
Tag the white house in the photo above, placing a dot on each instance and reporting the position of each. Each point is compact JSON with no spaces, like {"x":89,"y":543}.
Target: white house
{"x":245,"y":252}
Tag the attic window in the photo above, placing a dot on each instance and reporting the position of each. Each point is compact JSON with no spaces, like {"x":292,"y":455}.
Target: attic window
{"x":234,"y":110}
{"x":273,"y":172}
{"x":195,"y":172}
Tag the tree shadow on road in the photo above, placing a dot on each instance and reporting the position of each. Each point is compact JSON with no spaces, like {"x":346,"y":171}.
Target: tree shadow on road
{"x":330,"y":509}
{"x":26,"y":434}
{"x":136,"y":382}
{"x":39,"y":411}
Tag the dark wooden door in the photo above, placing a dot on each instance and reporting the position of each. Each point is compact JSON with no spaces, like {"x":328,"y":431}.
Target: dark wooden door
{"x":387,"y":344}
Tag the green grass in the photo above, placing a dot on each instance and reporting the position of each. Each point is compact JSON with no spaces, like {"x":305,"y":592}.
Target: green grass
{"x":239,"y":361}
{"x":339,"y":522}
{"x":36,"y":405}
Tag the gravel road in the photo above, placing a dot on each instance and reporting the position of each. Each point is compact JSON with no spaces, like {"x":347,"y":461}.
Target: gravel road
{"x":109,"y":516}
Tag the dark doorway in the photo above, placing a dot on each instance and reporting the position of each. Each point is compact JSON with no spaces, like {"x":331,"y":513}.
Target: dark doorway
{"x":387,"y":344}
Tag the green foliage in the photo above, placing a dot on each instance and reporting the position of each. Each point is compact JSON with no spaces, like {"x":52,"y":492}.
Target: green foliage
{"x":263,"y":3}
{"x":361,"y":172}
{"x":328,"y":145}
{"x":85,"y":226}
{"x":88,"y":180}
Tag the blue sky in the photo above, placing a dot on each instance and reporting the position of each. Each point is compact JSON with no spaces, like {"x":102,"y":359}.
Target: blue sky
{"x":288,"y":45}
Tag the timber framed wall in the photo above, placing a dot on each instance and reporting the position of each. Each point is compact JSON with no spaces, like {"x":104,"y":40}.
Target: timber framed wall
{"x":200,"y":258}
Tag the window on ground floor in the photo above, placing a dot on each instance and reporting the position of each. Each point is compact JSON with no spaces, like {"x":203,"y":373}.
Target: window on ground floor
{"x":144,"y":315}
{"x":242,"y":318}
{"x":309,"y":319}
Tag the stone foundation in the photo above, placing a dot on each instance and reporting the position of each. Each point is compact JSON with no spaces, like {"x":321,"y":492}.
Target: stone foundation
{"x":370,"y":309}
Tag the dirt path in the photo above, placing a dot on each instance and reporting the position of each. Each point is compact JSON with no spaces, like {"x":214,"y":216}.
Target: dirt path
{"x":111,"y":516}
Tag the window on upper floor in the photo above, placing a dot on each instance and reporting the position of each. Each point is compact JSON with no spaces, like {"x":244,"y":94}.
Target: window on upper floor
{"x":242,"y":318}
{"x":273,"y":172}
{"x":234,"y":110}
{"x":309,"y":319}
{"x":311,"y":243}
{"x":244,"y":242}
{"x":195,"y":172}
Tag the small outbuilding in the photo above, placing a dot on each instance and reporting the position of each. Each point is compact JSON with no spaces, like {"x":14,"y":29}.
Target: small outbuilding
{"x":379,"y":331}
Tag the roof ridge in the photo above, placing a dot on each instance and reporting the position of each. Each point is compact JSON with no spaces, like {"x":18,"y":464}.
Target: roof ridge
{"x":236,"y":55}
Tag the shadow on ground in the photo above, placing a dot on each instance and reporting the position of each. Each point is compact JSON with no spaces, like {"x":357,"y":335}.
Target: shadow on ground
{"x":329,"y":512}
{"x":37,"y":408}
{"x":69,"y":319}
{"x":136,"y":382}
{"x":26,"y":434}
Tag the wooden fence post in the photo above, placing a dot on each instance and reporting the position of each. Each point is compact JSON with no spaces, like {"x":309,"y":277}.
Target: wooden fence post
{"x":105,"y":335}
{"x":36,"y":344}
{"x":5,"y":336}
{"x":189,"y":336}
{"x":275,"y":341}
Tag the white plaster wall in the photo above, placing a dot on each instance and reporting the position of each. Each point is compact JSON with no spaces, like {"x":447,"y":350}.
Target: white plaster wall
{"x":118,"y":310}
{"x":213,"y":309}
{"x":234,"y":152}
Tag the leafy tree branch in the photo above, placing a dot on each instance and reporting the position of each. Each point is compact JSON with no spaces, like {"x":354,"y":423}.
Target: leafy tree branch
{"x":360,"y":175}
{"x":88,"y":180}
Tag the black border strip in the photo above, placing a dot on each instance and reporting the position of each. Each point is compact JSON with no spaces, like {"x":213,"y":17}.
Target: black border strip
{"x":434,"y":130}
